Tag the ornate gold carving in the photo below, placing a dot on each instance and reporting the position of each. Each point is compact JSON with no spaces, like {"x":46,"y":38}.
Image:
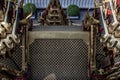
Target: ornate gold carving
{"x":54,"y":14}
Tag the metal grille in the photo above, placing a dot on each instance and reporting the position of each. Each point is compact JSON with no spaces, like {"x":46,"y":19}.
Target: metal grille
{"x":17,"y":57}
{"x":100,"y":54}
{"x":67,"y":59}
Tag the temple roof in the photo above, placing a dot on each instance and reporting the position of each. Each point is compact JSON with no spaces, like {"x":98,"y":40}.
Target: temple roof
{"x":64,"y":3}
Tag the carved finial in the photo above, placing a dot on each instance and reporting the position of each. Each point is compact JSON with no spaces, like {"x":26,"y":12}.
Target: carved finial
{"x":25,"y":21}
{"x":95,"y":3}
{"x":21,"y":3}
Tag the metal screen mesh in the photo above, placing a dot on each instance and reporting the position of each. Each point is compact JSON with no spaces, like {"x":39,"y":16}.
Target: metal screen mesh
{"x":67,"y":59}
{"x":16,"y":56}
{"x":100,"y":54}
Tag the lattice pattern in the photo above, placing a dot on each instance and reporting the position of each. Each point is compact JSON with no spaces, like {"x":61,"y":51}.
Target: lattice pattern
{"x":16,"y":57}
{"x":99,"y":52}
{"x":67,"y":59}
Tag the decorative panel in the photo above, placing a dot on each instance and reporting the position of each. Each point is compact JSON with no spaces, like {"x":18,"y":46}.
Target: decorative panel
{"x":67,"y":59}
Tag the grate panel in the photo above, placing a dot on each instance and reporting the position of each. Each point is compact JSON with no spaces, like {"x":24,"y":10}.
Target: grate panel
{"x":100,"y":54}
{"x":66,"y":59}
{"x":16,"y":56}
